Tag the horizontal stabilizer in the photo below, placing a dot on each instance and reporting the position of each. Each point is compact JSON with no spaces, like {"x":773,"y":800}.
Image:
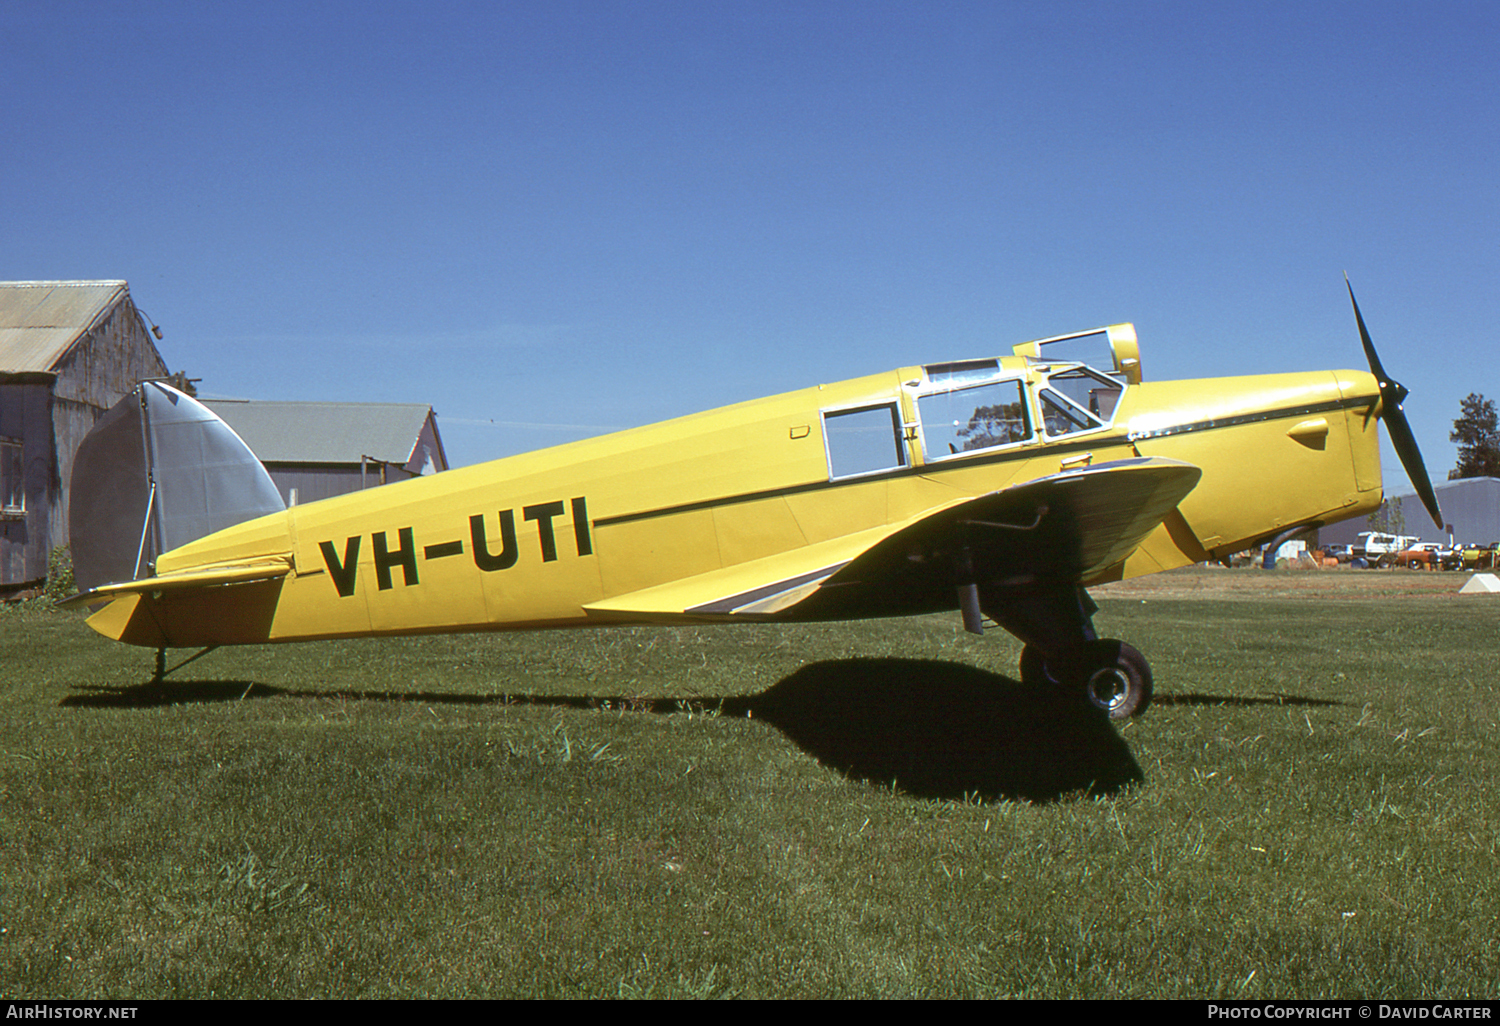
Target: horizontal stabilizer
{"x":198,"y":577}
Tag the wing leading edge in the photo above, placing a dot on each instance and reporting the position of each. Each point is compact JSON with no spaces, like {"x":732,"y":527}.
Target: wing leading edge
{"x":1066,"y":528}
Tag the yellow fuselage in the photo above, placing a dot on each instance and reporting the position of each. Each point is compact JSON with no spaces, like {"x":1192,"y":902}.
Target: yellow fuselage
{"x":742,"y":493}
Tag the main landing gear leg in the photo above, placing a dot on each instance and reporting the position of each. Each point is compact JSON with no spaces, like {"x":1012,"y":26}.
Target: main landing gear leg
{"x":1056,"y":624}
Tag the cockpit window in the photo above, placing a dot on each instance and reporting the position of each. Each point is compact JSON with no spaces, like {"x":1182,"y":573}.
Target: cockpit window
{"x":863,"y":441}
{"x":953,"y":375}
{"x":1093,"y":392}
{"x":979,"y":417}
{"x":1075,"y":398}
{"x":966,"y":407}
{"x":1063,"y":418}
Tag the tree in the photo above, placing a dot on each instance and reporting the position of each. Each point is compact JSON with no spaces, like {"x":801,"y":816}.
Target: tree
{"x":1390,"y":518}
{"x":1478,"y":439}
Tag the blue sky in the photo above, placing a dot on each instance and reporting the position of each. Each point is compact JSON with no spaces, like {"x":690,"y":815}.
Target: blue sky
{"x":552,"y":219}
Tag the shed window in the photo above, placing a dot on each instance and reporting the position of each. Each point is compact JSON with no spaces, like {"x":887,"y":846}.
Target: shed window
{"x":12,"y":477}
{"x":863,"y":441}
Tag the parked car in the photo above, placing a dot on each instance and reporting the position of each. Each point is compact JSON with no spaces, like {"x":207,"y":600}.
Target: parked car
{"x":1380,"y":549}
{"x":1429,"y":556}
{"x":1480,"y":557}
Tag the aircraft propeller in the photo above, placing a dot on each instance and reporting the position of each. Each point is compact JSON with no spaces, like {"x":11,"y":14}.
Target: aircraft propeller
{"x":1392,"y":394}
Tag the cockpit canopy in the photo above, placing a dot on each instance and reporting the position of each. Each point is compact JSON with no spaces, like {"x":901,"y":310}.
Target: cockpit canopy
{"x":983,"y":404}
{"x":1047,"y":390}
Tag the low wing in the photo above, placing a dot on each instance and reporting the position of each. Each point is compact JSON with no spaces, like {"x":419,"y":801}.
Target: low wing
{"x":1068,"y":527}
{"x":759,"y":588}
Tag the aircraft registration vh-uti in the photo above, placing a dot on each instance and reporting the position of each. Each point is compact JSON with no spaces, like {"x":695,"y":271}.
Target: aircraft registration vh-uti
{"x":1000,"y":488}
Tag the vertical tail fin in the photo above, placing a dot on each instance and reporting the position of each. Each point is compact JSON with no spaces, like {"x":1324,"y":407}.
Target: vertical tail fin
{"x":157,"y":471}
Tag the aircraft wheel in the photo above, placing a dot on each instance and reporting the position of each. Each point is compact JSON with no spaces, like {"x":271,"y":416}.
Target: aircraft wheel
{"x":1119,"y":679}
{"x":1116,"y":678}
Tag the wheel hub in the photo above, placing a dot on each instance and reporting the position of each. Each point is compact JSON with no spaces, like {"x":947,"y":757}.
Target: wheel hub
{"x":1108,"y":688}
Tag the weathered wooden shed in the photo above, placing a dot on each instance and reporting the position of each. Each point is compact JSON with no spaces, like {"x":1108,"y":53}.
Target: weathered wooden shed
{"x":317,"y":450}
{"x":69,"y":350}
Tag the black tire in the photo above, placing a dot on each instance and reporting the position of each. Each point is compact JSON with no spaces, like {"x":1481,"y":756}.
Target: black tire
{"x":1119,"y":679}
{"x":1112,"y":677}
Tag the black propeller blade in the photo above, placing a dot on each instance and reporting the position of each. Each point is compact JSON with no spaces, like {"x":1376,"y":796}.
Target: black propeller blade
{"x":1392,"y":394}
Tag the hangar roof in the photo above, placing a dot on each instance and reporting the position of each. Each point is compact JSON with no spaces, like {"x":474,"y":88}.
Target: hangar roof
{"x":307,"y":432}
{"x":39,"y":320}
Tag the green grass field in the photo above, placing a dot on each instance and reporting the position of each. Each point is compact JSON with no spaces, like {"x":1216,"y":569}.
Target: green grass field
{"x":854,"y":810}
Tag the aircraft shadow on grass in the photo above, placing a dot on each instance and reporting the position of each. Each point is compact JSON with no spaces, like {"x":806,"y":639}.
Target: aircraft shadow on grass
{"x":930,"y":729}
{"x":947,"y":731}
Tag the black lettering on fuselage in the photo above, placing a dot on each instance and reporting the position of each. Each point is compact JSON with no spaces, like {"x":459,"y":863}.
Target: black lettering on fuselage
{"x":483,"y":558}
{"x":404,"y":557}
{"x":542,"y":513}
{"x":581,"y":527}
{"x":342,"y":573}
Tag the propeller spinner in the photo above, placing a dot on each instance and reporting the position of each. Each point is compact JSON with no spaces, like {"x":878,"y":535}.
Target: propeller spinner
{"x":1392,"y":394}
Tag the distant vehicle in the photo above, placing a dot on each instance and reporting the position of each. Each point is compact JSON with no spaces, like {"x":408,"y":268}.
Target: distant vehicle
{"x":1429,"y":556}
{"x":1479,"y":557}
{"x":1379,"y":549}
{"x":1342,"y":553}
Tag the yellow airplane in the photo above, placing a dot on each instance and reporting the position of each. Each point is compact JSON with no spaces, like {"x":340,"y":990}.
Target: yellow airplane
{"x":1000,"y":487}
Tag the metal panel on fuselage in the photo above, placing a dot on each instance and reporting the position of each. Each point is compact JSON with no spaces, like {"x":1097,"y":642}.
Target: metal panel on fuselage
{"x":528,"y":541}
{"x":1258,"y":477}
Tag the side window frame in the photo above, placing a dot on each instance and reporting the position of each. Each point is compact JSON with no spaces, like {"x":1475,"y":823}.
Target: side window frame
{"x":1023,"y":397}
{"x":1046,"y":392}
{"x":832,"y":441}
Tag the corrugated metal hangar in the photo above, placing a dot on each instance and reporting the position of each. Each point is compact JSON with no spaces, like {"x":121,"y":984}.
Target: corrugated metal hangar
{"x":1471,"y":505}
{"x":316,"y":450}
{"x":69,"y":350}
